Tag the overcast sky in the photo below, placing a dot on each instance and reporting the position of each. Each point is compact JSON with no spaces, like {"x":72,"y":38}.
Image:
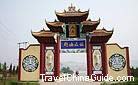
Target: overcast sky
{"x":19,"y":17}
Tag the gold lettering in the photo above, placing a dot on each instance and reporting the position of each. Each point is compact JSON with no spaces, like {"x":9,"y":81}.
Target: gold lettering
{"x":81,"y":44}
{"x":71,"y":44}
{"x":76,"y":44}
{"x":65,"y":44}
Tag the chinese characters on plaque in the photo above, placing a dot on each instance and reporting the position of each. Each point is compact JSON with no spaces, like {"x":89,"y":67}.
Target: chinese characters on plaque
{"x":72,"y":44}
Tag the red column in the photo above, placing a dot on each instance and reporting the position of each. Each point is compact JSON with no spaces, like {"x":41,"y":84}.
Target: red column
{"x":104,"y":60}
{"x":89,"y":59}
{"x":128,"y":63}
{"x":42,"y":58}
{"x":19,"y":66}
{"x":91,"y":55}
{"x":57,"y":58}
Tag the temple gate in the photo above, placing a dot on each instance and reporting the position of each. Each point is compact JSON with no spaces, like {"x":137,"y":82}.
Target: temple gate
{"x":72,"y":30}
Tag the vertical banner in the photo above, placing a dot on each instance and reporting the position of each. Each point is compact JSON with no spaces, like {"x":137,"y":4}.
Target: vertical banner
{"x":49,"y":60}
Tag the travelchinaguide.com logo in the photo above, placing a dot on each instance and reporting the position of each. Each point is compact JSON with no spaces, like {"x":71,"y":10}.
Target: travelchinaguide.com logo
{"x":93,"y":77}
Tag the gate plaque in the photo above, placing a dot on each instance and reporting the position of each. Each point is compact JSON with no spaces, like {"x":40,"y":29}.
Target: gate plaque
{"x":73,"y":46}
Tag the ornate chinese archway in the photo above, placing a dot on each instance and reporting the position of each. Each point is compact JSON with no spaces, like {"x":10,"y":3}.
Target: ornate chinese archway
{"x":72,"y":27}
{"x":74,"y":31}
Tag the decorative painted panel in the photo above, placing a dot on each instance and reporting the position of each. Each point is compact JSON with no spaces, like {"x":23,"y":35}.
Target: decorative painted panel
{"x":72,"y":31}
{"x":30,"y":63}
{"x":97,"y":59}
{"x":49,"y":60}
{"x":117,"y":62}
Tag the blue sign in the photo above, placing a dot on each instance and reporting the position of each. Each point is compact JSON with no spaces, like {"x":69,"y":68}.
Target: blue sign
{"x":73,"y":44}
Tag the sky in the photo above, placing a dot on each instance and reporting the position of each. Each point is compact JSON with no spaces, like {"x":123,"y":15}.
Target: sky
{"x":19,"y":17}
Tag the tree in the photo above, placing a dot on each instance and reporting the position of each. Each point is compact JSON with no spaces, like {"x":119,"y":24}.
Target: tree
{"x":66,"y":70}
{"x":10,"y":69}
{"x":17,"y":70}
{"x":13,"y":71}
{"x":134,"y":71}
{"x":0,"y":67}
{"x":4,"y":72}
{"x":4,"y":66}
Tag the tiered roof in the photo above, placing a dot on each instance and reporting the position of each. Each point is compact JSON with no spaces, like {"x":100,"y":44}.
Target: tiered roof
{"x":71,"y":15}
{"x":100,"y":35}
{"x":44,"y":36}
{"x":55,"y":26}
{"x":78,"y":17}
{"x":43,"y":33}
{"x":89,"y":26}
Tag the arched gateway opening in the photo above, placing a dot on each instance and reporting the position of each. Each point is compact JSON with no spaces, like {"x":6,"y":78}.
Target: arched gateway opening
{"x":76,"y":62}
{"x":72,"y":33}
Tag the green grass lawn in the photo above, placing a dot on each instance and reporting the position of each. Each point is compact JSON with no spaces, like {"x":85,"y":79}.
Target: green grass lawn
{"x":135,"y":82}
{"x":8,"y":80}
{"x":13,"y":80}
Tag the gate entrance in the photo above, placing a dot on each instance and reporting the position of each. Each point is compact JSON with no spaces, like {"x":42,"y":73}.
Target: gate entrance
{"x":72,"y":33}
{"x":75,"y":61}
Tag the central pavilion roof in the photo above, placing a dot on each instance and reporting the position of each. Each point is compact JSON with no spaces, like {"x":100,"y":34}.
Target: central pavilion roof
{"x":77,"y":17}
{"x":72,"y":15}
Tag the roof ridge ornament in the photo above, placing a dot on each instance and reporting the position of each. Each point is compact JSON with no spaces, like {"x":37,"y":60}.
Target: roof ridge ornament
{"x":113,"y":29}
{"x":89,"y":19}
{"x":64,"y":10}
{"x":79,"y":10}
{"x":104,"y":29}
{"x":99,"y":19}
{"x":42,"y":30}
{"x":71,"y":8}
{"x":45,"y":21}
{"x":55,"y":20}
